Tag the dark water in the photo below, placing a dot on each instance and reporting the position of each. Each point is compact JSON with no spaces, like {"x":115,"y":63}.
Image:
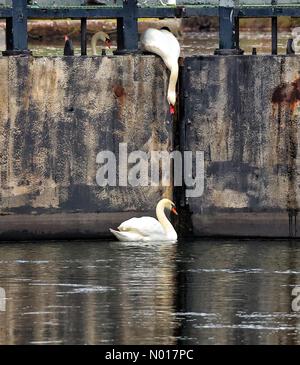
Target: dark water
{"x":204,"y":292}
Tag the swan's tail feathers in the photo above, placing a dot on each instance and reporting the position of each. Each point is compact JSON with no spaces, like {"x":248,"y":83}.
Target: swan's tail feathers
{"x":125,"y":236}
{"x":117,"y":234}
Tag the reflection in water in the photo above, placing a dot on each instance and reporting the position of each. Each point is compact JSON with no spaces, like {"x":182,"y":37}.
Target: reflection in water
{"x":201,"y":292}
{"x":87,"y":293}
{"x":240,"y":293}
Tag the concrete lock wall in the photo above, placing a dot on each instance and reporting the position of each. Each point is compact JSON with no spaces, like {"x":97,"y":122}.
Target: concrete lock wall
{"x":242,"y":111}
{"x":56,"y":115}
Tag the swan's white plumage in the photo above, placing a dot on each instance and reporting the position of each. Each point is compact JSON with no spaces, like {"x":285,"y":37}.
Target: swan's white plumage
{"x":164,"y":44}
{"x":99,"y":36}
{"x":146,"y":226}
{"x":126,"y":236}
{"x":148,"y":229}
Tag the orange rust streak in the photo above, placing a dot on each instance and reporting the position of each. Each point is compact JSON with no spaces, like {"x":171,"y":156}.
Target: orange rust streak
{"x":287,"y":93}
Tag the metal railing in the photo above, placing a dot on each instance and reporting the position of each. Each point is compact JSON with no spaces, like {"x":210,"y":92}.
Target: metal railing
{"x":129,"y":11}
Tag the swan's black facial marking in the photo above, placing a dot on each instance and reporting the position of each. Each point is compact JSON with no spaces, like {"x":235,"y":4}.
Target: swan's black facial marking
{"x":107,"y":42}
{"x":166,"y":28}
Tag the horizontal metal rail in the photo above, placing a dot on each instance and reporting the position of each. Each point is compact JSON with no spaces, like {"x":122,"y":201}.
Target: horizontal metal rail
{"x":5,"y":12}
{"x":106,"y":12}
{"x":267,"y":11}
{"x":116,"y":12}
{"x":127,"y":17}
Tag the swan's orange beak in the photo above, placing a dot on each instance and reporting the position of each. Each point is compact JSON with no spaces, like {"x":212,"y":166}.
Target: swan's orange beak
{"x":108,"y":43}
{"x":173,"y":210}
{"x":172,"y":109}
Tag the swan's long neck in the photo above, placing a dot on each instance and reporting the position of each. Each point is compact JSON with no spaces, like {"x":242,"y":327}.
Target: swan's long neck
{"x":96,"y":37}
{"x":172,"y":83}
{"x":166,"y":224}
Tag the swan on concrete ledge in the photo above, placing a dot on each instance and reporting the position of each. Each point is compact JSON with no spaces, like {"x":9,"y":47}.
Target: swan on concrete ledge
{"x":149,"y":229}
{"x":163,"y":43}
{"x":294,"y":43}
{"x":100,"y":36}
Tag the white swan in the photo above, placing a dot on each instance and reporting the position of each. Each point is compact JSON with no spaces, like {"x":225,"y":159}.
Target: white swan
{"x":163,"y":43}
{"x":99,"y":36}
{"x":148,"y":229}
{"x":296,"y":40}
{"x":168,"y":3}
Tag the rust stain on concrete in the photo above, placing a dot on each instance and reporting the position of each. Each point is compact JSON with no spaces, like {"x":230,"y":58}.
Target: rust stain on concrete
{"x":286,"y":97}
{"x":59,"y":114}
{"x":288,"y":94}
{"x":119,"y":91}
{"x":244,"y":114}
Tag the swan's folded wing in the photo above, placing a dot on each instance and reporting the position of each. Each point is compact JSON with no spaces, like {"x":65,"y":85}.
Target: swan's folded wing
{"x":146,"y":226}
{"x":126,"y":236}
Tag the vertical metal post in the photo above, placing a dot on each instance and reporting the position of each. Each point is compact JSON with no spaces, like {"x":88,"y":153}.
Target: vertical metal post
{"x":120,"y":35}
{"x":237,"y":32}
{"x":20,"y":25}
{"x":83,"y":32}
{"x":127,"y":28}
{"x":226,"y":30}
{"x":9,"y":34}
{"x":17,"y":37}
{"x":274,"y":35}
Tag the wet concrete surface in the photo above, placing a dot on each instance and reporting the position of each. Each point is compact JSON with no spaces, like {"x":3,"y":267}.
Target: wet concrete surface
{"x":243,"y":113}
{"x":56,"y":115}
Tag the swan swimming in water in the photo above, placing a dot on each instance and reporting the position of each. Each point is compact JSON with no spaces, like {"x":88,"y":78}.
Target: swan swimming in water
{"x":163,"y":43}
{"x":149,"y":229}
